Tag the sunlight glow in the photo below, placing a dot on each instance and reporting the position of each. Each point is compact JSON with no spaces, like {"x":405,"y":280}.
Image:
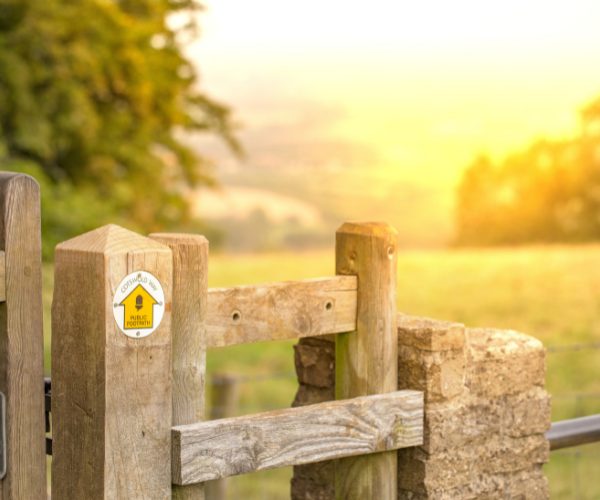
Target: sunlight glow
{"x":428,"y":84}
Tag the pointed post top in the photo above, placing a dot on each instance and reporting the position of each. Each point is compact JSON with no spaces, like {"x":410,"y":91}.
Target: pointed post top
{"x":111,"y":366}
{"x":112,"y":240}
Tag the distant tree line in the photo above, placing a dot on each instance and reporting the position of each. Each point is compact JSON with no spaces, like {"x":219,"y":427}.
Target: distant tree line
{"x":549,"y":192}
{"x":95,"y":96}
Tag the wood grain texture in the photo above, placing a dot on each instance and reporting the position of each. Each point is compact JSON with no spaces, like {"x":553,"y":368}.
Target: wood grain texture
{"x":2,"y":276}
{"x":324,"y":431}
{"x":367,"y":360}
{"x":21,"y":338}
{"x":190,"y":285}
{"x":280,"y":311}
{"x":225,"y":396}
{"x":111,"y":394}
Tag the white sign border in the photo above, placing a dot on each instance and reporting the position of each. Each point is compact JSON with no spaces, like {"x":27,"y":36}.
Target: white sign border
{"x":152,"y":285}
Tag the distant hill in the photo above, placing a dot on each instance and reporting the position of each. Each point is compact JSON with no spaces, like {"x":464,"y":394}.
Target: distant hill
{"x":260,"y":207}
{"x":298,"y":182}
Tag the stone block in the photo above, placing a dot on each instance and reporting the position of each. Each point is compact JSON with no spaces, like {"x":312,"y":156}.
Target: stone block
{"x":472,"y":421}
{"x":315,"y":361}
{"x":305,"y":489}
{"x":503,"y":362}
{"x":526,"y":413}
{"x":460,"y":423}
{"x":421,"y":472}
{"x":440,"y":375}
{"x":314,"y":481}
{"x":530,"y":484}
{"x":315,"y":365}
{"x":309,"y":394}
{"x":430,"y":334}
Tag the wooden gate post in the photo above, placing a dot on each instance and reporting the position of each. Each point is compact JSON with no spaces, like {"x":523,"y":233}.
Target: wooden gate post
{"x":367,"y":359}
{"x":111,"y":390}
{"x":190,"y":296}
{"x":21,"y":338}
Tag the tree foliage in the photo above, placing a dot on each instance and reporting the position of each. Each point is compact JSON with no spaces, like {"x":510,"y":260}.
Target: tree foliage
{"x":549,"y":192}
{"x":95,"y":96}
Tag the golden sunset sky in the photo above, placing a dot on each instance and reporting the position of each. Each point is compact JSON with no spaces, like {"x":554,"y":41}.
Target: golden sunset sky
{"x":427,"y":85}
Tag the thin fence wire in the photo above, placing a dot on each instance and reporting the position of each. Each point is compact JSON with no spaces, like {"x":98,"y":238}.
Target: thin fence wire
{"x":584,"y":346}
{"x":244,"y":379}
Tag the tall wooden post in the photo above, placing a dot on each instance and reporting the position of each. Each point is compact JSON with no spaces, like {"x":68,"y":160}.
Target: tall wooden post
{"x":190,"y":295}
{"x":111,"y":390}
{"x":366,"y":360}
{"x":21,"y":339}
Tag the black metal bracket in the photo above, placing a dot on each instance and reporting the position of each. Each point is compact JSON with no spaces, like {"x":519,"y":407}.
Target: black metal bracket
{"x":47,"y":411}
{"x":2,"y":435}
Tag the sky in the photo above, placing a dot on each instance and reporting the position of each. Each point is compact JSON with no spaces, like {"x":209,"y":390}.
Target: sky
{"x":428,"y":83}
{"x":425,"y":85}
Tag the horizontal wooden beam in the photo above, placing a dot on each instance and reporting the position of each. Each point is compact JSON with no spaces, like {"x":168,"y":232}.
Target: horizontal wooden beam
{"x":2,"y":276}
{"x":294,"y":436}
{"x":280,"y":311}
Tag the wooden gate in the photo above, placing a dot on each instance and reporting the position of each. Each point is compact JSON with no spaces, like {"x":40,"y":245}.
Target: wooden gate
{"x":132,"y":321}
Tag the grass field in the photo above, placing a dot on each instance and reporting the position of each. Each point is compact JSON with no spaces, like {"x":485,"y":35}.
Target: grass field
{"x":552,"y":293}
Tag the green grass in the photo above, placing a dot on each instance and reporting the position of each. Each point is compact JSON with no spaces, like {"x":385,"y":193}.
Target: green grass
{"x":552,"y":293}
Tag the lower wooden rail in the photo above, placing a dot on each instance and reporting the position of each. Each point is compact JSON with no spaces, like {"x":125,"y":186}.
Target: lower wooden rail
{"x":219,"y":448}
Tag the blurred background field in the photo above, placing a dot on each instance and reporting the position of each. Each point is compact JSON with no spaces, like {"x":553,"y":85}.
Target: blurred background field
{"x":549,"y":292}
{"x":473,"y":127}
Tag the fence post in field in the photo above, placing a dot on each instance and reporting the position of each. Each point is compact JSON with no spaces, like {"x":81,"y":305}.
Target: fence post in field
{"x":224,"y":402}
{"x":367,"y":359}
{"x":190,"y":295}
{"x":111,"y":367}
{"x":21,"y":339}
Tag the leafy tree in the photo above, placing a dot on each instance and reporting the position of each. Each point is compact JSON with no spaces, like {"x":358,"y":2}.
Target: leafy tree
{"x":95,"y":96}
{"x":548,"y":192}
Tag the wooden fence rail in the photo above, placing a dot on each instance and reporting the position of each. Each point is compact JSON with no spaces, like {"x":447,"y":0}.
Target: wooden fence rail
{"x":295,"y":436}
{"x":281,"y":311}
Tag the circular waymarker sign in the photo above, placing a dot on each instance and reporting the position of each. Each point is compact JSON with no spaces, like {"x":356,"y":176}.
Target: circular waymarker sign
{"x":139,"y":304}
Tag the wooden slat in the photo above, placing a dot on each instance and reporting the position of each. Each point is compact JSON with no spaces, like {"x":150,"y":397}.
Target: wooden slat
{"x":324,"y":431}
{"x":2,"y":276}
{"x":366,"y":361}
{"x":21,"y":339}
{"x":280,"y":311}
{"x":190,"y":285}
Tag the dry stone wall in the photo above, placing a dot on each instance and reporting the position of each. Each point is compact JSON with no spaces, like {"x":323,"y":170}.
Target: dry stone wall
{"x":486,"y":412}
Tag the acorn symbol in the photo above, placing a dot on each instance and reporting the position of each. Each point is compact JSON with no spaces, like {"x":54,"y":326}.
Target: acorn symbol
{"x":139,"y":302}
